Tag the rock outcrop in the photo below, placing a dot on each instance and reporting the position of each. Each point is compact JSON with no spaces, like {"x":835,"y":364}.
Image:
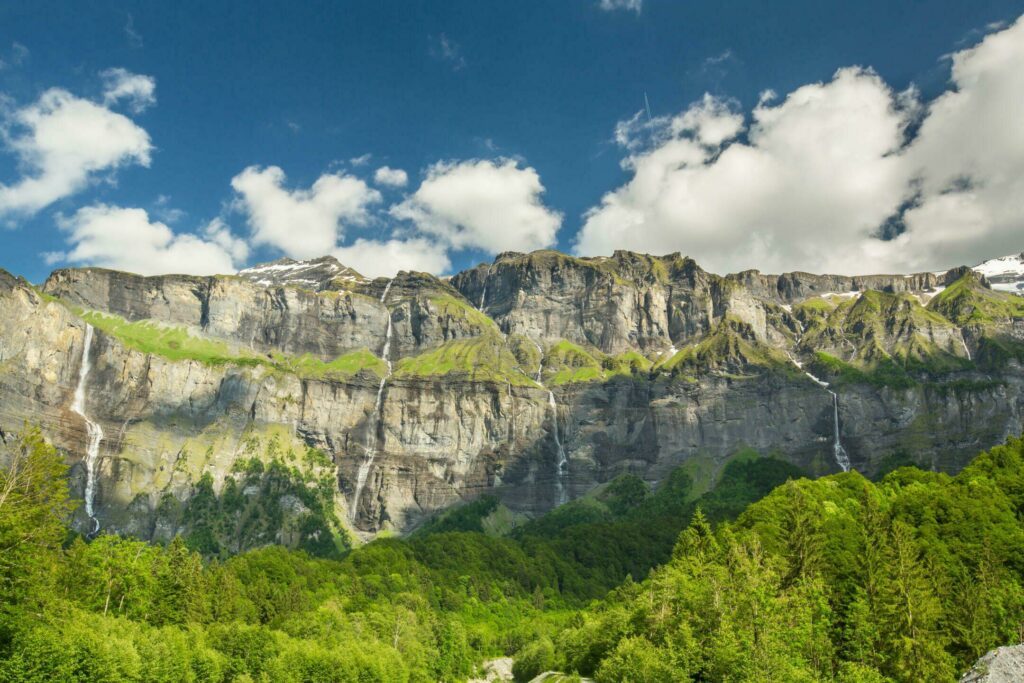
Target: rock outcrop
{"x":534,"y":378}
{"x":1002,"y":665}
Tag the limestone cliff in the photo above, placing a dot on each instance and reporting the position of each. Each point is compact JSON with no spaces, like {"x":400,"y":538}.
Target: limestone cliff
{"x":535,"y":378}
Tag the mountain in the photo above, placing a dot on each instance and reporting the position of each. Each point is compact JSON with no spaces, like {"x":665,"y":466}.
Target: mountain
{"x":1005,"y":274}
{"x":308,"y":400}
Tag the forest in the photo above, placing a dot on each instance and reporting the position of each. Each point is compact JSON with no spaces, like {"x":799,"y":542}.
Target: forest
{"x":767,"y":576}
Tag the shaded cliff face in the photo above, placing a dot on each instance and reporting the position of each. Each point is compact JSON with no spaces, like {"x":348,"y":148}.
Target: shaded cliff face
{"x":534,"y":378}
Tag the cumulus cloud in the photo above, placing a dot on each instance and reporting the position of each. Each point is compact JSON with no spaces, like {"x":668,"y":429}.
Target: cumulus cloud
{"x":490,"y":205}
{"x":710,"y":122}
{"x":303,"y":223}
{"x":810,"y":180}
{"x":218,"y":232}
{"x":391,"y":177}
{"x":137,"y":90}
{"x":375,"y":258}
{"x":631,"y":5}
{"x":968,"y":159}
{"x":126,"y":239}
{"x":61,"y":141}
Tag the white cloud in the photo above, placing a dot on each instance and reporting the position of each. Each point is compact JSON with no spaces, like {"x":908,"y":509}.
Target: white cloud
{"x":60,"y":141}
{"x":132,"y":34}
{"x":449,"y":51}
{"x":16,"y":56}
{"x":218,"y":232}
{"x":491,"y":205}
{"x":303,"y":223}
{"x":969,"y":159}
{"x":361,"y":160}
{"x":710,"y":122}
{"x":631,"y":5}
{"x":821,"y":171}
{"x":392,"y":177}
{"x":126,"y":239}
{"x":385,"y":258}
{"x":121,"y":84}
{"x":163,"y":210}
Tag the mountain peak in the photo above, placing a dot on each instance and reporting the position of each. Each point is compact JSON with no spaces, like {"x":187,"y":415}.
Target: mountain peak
{"x":1005,"y":273}
{"x":316,"y":274}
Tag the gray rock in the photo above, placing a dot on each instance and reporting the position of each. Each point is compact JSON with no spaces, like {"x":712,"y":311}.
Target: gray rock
{"x":442,"y":437}
{"x":1002,"y":665}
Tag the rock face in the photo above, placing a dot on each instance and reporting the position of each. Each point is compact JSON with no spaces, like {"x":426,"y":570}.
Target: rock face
{"x":534,"y":378}
{"x":1002,"y":665}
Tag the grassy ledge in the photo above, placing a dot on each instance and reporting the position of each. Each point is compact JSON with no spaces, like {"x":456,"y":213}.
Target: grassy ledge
{"x":479,"y":359}
{"x":176,"y":344}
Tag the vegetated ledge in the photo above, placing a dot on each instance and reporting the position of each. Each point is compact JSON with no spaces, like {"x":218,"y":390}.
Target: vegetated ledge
{"x":476,"y":359}
{"x":569,"y":363}
{"x":177,"y":344}
{"x":945,"y":373}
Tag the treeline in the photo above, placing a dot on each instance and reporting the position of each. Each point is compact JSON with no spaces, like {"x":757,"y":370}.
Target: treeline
{"x":425,"y":609}
{"x":838,"y":579}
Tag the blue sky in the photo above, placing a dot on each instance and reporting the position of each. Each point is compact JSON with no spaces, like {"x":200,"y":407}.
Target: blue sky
{"x":504,"y":118}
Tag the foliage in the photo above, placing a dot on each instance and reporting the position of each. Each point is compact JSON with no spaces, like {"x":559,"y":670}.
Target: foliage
{"x":34,"y":506}
{"x":910,"y":578}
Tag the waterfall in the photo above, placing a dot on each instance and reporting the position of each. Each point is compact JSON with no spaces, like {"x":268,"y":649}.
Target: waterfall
{"x":964,"y":342}
{"x":371,"y":437}
{"x":93,"y":430}
{"x":842,"y":458}
{"x":540,"y":363}
{"x":562,"y":465}
{"x":483,"y":295}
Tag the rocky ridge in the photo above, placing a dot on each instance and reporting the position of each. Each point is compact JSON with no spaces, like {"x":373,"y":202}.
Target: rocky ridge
{"x":535,"y":377}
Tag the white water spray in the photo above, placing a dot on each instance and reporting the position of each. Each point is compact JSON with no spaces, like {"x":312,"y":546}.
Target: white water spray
{"x":371,"y":438}
{"x":841,"y":456}
{"x":93,"y":430}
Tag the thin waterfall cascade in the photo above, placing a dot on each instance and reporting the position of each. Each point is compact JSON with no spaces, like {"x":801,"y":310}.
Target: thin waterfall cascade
{"x":842,"y":459}
{"x":540,"y":363}
{"x":562,"y":463}
{"x":93,"y":430}
{"x":483,"y":295}
{"x":378,"y":406}
{"x":966,"y":350}
{"x":841,"y":456}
